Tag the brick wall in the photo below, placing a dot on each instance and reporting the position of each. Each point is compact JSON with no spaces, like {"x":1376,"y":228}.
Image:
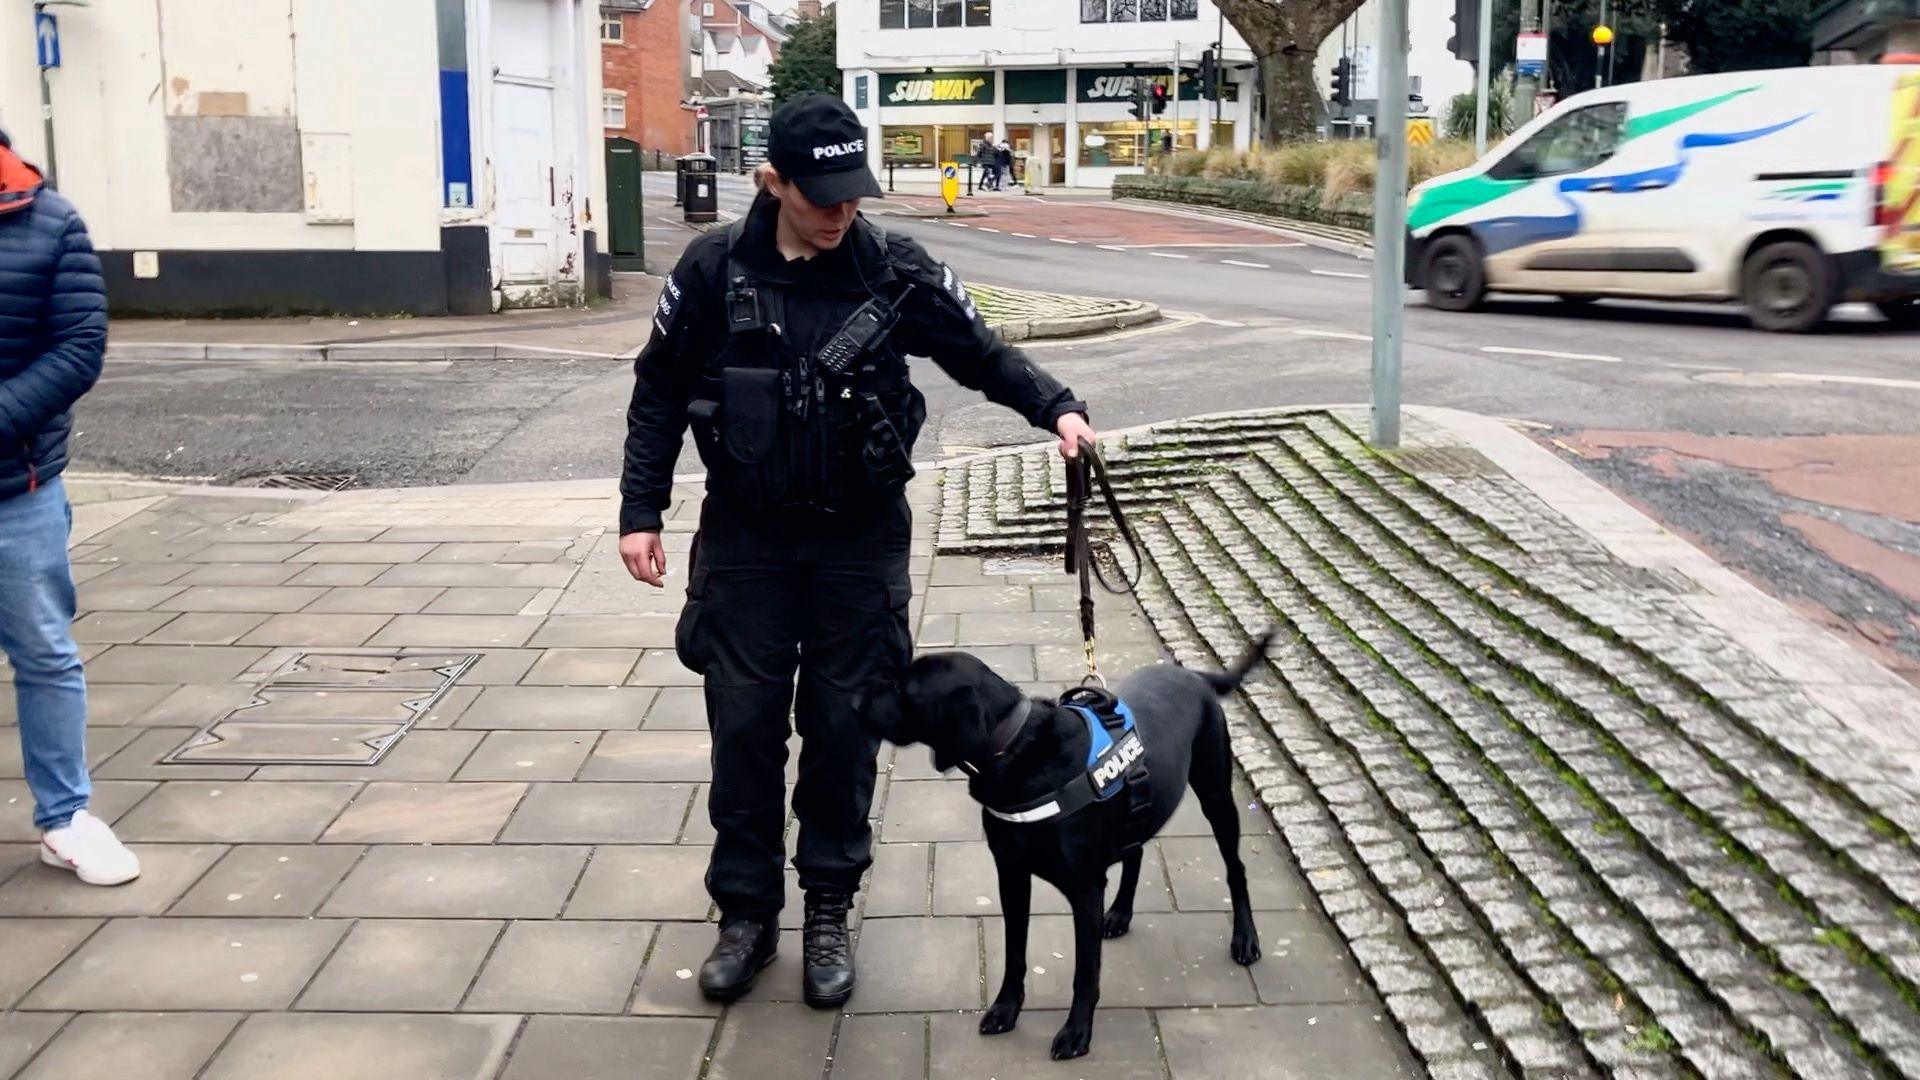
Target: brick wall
{"x":649,"y":64}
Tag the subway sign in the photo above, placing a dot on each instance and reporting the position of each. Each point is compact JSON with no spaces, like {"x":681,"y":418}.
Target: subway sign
{"x":1118,"y":84}
{"x":940,"y":88}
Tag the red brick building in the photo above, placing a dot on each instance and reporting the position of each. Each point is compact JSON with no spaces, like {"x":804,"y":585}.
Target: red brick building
{"x":645,"y":52}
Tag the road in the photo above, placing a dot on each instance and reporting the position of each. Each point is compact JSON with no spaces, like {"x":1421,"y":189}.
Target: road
{"x":1685,"y":409}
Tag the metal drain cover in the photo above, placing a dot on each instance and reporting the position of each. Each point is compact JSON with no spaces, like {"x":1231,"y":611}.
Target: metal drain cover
{"x":302,"y":481}
{"x":327,"y":709}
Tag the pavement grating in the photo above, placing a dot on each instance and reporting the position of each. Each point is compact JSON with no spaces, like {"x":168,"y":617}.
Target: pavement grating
{"x":327,"y":709}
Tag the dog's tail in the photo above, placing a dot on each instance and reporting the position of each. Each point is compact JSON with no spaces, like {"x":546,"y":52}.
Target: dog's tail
{"x":1226,"y":682}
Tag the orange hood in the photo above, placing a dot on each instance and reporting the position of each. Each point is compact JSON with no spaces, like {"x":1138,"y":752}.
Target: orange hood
{"x":19,"y":181}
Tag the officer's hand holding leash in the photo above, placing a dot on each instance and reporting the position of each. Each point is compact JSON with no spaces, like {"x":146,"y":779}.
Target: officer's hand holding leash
{"x":1071,"y":428}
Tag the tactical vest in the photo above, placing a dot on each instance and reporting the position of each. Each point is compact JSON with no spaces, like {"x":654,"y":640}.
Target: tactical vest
{"x":779,"y":425}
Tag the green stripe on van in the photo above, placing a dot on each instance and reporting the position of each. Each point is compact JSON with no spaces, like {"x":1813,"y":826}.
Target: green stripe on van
{"x":1440,"y":203}
{"x":1654,"y":121}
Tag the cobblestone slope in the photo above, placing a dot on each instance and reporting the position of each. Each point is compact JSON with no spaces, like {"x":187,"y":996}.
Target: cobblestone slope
{"x":1567,"y":828}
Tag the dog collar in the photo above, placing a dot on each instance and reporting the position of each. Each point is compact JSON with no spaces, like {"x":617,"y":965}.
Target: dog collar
{"x":1112,"y":757}
{"x":1003,"y":733}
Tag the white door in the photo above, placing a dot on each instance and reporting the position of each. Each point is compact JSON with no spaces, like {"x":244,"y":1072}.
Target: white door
{"x":526,"y":220}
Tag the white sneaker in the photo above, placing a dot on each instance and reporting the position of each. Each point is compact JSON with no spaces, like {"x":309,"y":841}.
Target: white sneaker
{"x":88,"y":847}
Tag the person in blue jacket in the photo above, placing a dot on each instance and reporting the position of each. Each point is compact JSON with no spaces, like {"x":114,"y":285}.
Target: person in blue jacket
{"x":53,"y":340}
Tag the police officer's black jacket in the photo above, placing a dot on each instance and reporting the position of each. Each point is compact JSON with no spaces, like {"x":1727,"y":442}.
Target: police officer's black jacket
{"x":691,"y":334}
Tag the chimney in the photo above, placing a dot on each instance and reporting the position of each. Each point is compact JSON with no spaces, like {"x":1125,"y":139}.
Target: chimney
{"x":808,"y":9}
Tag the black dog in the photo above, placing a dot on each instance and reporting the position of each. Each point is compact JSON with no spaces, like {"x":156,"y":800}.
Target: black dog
{"x":1031,"y":769}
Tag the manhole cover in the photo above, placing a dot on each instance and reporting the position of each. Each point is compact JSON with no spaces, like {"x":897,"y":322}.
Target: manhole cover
{"x":327,"y":709}
{"x":302,"y":481}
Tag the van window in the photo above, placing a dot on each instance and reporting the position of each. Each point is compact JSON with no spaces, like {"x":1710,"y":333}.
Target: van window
{"x":1574,"y":143}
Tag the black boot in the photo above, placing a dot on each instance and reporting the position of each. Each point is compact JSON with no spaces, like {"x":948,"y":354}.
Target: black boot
{"x":745,"y":946}
{"x":829,"y":953}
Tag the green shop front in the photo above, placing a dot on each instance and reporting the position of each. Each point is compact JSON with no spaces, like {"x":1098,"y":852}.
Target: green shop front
{"x":1065,"y":125}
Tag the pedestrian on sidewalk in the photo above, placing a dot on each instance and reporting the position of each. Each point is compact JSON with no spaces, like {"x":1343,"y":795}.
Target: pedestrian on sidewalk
{"x":53,"y":340}
{"x":778,"y":339}
{"x":1002,"y":166}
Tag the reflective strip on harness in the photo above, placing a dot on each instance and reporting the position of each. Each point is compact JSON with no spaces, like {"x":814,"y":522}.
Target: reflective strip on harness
{"x":1110,"y":762}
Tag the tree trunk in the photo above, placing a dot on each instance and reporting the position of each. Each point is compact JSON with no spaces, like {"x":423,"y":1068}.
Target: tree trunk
{"x":1294,"y":107}
{"x":1285,"y":36}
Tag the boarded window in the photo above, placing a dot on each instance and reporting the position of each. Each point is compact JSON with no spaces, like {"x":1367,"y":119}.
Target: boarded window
{"x":234,"y":164}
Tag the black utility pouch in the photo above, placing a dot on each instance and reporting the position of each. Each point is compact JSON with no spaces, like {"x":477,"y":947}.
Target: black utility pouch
{"x":751,"y":406}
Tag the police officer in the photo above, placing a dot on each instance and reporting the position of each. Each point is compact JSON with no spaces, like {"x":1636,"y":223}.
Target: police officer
{"x":783,"y":341}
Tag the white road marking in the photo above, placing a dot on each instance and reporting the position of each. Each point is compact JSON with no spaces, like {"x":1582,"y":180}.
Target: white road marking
{"x":959,"y":224}
{"x":985,"y":228}
{"x":1022,"y":235}
{"x":1551,"y":354}
{"x":1239,"y":246}
{"x":1337,"y":335}
{"x":1166,"y":255}
{"x":1062,"y":240}
{"x":1339,"y":273}
{"x":1254,"y":265}
{"x":1850,"y":380}
{"x":1110,"y":247}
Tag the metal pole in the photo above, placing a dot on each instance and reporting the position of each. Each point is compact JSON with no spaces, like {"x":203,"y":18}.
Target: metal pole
{"x":1600,"y":53}
{"x":1175,"y":95}
{"x":1483,"y":79}
{"x":1389,"y":223}
{"x":1219,"y":69}
{"x":1524,"y":86}
{"x":46,"y":112}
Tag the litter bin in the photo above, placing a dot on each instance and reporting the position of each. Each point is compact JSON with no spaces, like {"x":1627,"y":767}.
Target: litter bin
{"x":700,"y":199}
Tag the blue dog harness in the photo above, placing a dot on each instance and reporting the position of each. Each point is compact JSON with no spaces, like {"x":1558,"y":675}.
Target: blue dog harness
{"x":1116,"y":762}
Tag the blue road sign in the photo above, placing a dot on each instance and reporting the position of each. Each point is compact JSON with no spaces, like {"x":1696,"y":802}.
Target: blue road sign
{"x":46,"y":39}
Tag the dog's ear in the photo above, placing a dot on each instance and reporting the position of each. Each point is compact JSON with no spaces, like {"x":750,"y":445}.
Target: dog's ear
{"x":956,"y":725}
{"x":877,"y":707}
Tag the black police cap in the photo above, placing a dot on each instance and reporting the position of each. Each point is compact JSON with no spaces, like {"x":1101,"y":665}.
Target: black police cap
{"x":816,"y":142}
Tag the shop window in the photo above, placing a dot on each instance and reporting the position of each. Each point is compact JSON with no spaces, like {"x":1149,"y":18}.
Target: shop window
{"x":1120,"y":144}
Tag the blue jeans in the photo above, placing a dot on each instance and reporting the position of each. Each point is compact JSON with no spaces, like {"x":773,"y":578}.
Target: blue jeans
{"x":36,"y":617}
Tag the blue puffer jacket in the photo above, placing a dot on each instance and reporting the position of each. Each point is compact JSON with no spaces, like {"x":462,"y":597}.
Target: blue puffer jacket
{"x":53,"y":325}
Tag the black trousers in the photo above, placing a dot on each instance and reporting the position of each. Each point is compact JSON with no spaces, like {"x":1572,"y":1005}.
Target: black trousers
{"x":769,"y":597}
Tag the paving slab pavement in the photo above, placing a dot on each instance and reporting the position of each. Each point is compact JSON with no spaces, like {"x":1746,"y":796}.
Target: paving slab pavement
{"x":514,"y":888}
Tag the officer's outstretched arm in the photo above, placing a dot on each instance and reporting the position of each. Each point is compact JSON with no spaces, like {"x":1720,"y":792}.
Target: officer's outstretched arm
{"x":664,"y":377}
{"x":941,"y":322}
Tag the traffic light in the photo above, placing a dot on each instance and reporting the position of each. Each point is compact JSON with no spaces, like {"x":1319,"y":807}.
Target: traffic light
{"x":1159,"y":97}
{"x":1138,"y":106}
{"x":1209,"y":75}
{"x":1343,"y":81}
{"x":1465,"y":42}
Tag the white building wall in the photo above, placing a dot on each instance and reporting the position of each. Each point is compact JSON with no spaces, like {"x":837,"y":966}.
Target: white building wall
{"x":354,"y":83}
{"x":117,"y":89}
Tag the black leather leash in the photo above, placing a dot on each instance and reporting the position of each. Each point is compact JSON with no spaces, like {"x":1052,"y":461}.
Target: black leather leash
{"x":1084,"y":553}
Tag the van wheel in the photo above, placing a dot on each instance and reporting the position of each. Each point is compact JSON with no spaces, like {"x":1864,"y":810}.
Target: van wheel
{"x":1453,"y":275}
{"x":1787,"y":288}
{"x":1902,"y":313}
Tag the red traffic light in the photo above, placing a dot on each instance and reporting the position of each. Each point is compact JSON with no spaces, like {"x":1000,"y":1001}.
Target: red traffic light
{"x":1159,"y":92}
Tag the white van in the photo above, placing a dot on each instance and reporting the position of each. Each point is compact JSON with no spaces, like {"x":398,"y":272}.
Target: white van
{"x":1788,"y":190}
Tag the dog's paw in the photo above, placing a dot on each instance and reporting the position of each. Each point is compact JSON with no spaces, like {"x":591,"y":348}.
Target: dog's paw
{"x":1116,"y":924}
{"x":1074,"y":1040}
{"x":1001,"y":1017}
{"x":1246,"y":948}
